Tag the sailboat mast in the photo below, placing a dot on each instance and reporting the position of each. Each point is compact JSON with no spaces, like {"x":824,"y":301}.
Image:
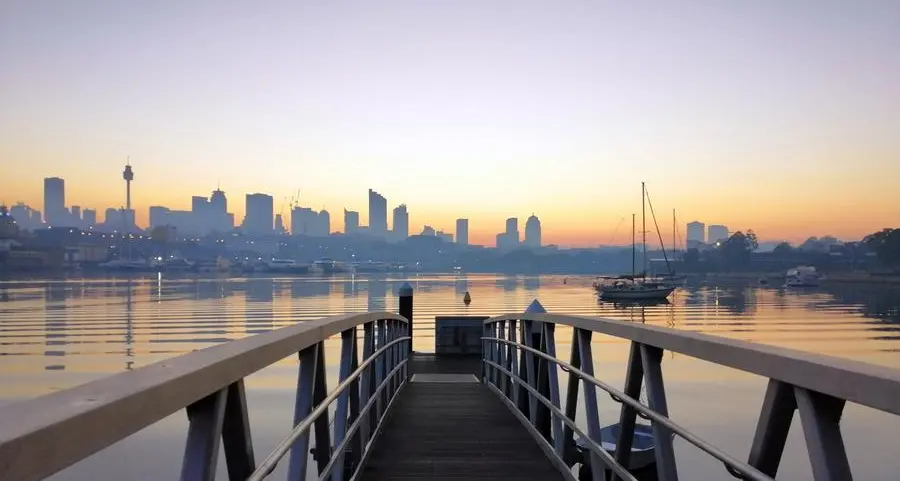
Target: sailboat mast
{"x":674,"y":246}
{"x":644,"y":228}
{"x":633,"y":241}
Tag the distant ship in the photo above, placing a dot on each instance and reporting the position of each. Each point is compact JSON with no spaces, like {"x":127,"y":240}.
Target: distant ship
{"x":330,"y":266}
{"x":128,"y":265}
{"x":371,"y":267}
{"x":286,"y":266}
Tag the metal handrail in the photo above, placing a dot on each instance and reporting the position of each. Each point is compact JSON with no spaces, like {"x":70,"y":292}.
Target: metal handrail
{"x":815,"y":386}
{"x":41,"y":436}
{"x":859,"y":382}
{"x":351,"y":430}
{"x":742,"y":467}
{"x":268,"y":465}
{"x":596,"y":448}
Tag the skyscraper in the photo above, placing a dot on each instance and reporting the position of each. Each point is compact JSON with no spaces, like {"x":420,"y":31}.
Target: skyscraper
{"x":55,"y":201}
{"x":462,"y":232}
{"x":323,"y":224}
{"x":89,"y":217}
{"x":218,"y":202}
{"x":75,"y":212}
{"x":510,"y":238}
{"x":303,"y":221}
{"x":259,"y":216}
{"x":351,"y":222}
{"x":533,"y":232}
{"x":377,"y":214}
{"x":112,"y":218}
{"x":220,"y":219}
{"x":158,"y":216}
{"x":696,"y":234}
{"x":306,"y":221}
{"x":401,"y":223}
{"x":716,"y":233}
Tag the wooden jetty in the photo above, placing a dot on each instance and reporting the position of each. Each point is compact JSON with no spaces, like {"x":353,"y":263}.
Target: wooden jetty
{"x":487,"y":404}
{"x":446,"y":425}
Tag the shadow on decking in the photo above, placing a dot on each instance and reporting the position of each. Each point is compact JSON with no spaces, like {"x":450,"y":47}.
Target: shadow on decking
{"x":456,"y":429}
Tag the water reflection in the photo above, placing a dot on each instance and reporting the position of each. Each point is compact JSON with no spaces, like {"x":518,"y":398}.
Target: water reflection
{"x":532,"y":283}
{"x":129,"y":326}
{"x":145,"y":319}
{"x":461,"y":285}
{"x":508,"y":284}
{"x":258,"y":318}
{"x":377,"y":294}
{"x":55,"y":326}
{"x":350,"y":287}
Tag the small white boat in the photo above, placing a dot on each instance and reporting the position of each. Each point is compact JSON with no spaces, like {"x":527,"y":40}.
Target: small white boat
{"x":802,"y":276}
{"x":642,"y":445}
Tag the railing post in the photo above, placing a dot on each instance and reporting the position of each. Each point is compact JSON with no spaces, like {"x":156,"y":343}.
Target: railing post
{"x":368,"y":381}
{"x":628,"y":415}
{"x":772,"y":429}
{"x":530,"y":370}
{"x":380,"y":369}
{"x":820,"y":415}
{"x":552,"y":378}
{"x":542,"y":421}
{"x":651,"y":358}
{"x":303,"y":405}
{"x":500,"y":358}
{"x":406,"y":308}
{"x":348,"y":353}
{"x":524,"y":360}
{"x":322,"y":426}
{"x":205,"y":430}
{"x":572,"y":400}
{"x":591,"y":409}
{"x":512,"y":362}
{"x":236,"y":437}
{"x":485,"y":352}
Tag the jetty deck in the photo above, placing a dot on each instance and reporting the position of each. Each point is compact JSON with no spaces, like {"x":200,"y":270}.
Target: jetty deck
{"x":447,"y":426}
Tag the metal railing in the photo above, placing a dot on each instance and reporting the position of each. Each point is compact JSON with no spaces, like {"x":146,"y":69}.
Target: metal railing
{"x":521,"y":366}
{"x":42,"y":436}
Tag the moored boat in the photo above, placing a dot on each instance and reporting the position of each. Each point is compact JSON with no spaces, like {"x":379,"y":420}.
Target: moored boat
{"x":331,"y":266}
{"x":802,"y":276}
{"x":643,"y":452}
{"x":629,"y":289}
{"x":286,"y":266}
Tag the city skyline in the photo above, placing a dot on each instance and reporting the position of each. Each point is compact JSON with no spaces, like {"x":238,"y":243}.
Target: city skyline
{"x":773,"y":116}
{"x":295,"y":205}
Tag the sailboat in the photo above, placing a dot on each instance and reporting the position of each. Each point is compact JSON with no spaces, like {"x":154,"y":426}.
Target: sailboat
{"x":671,"y":276}
{"x":633,"y":287}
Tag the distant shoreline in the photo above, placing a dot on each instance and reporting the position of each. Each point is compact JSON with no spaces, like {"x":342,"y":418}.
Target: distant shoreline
{"x":836,"y":278}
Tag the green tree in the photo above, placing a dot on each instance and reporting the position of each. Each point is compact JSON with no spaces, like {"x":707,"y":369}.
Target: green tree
{"x":886,"y":245}
{"x":692,"y":256}
{"x":736,"y":250}
{"x":783,"y":248}
{"x":752,"y":240}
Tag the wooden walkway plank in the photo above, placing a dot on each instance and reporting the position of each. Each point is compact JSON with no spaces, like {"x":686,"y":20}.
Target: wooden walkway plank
{"x":455,"y":430}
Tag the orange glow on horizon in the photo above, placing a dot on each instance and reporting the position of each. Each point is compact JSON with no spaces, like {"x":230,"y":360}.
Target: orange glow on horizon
{"x":563,"y":225}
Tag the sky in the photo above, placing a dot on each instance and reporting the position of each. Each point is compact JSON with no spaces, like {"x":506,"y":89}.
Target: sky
{"x":782,"y":117}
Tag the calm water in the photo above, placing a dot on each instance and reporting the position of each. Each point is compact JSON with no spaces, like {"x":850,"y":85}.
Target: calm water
{"x":56,"y":334}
